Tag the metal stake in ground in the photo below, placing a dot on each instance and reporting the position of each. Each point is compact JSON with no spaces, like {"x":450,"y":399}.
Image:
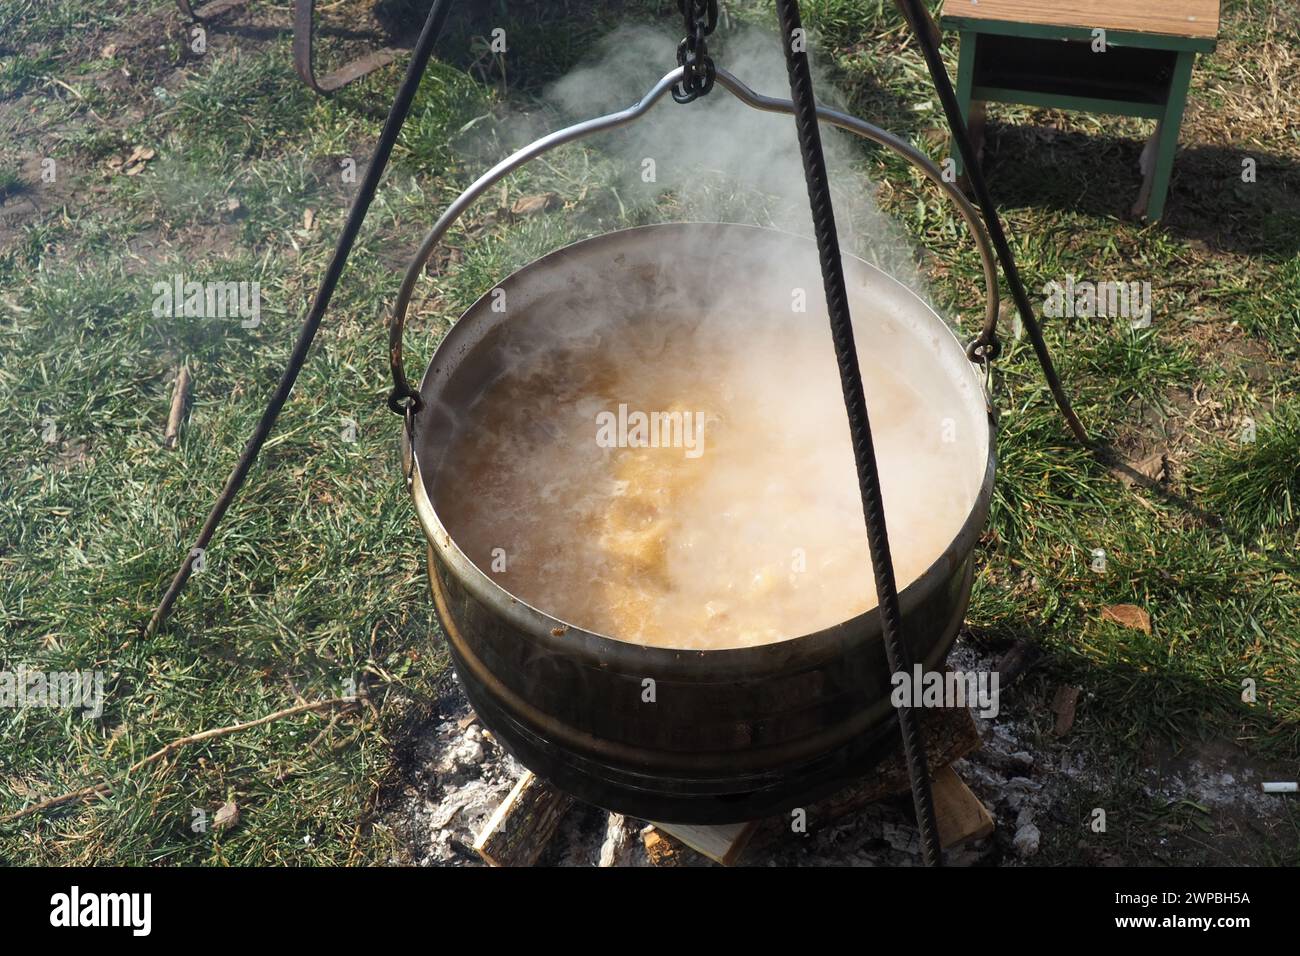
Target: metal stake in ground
{"x":855,"y":403}
{"x":356,"y":215}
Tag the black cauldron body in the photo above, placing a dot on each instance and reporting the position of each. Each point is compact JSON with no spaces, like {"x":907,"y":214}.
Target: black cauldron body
{"x":732,"y":734}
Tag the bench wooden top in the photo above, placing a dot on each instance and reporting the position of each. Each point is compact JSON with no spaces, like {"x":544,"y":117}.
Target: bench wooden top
{"x":1182,"y":18}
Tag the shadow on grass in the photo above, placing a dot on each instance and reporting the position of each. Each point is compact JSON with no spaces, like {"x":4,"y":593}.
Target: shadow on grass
{"x":1114,"y":462}
{"x":1140,"y":706}
{"x":1098,"y":176}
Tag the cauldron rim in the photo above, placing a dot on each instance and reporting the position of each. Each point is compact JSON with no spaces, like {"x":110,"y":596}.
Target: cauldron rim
{"x":553,"y":634}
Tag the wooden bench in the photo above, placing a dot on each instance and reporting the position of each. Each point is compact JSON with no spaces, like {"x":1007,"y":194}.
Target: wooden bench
{"x":1102,"y":56}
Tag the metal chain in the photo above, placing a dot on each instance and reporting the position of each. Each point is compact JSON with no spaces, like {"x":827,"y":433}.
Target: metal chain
{"x":701,"y":18}
{"x":984,"y":350}
{"x":985,"y":347}
{"x":409,"y":419}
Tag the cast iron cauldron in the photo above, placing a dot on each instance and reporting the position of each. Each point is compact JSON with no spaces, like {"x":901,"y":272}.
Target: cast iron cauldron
{"x":735,"y":734}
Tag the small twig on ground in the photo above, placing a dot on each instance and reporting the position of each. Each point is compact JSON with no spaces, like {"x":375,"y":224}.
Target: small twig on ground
{"x":180,"y":398}
{"x":78,"y":95}
{"x":75,"y":92}
{"x":107,"y":785}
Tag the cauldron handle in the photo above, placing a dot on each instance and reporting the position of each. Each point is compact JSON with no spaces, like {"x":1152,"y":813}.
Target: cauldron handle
{"x":405,"y":400}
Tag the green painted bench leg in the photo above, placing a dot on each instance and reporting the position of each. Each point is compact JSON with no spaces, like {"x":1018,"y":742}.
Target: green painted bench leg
{"x":965,"y":82}
{"x":1169,"y":126}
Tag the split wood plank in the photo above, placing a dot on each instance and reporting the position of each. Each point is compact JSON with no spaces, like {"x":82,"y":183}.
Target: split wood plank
{"x":519,"y":829}
{"x":960,"y":815}
{"x":721,"y":844}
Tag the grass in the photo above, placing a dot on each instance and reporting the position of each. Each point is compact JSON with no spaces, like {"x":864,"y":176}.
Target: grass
{"x":1254,"y":481}
{"x":20,"y":73}
{"x":315,"y":583}
{"x":11,"y":183}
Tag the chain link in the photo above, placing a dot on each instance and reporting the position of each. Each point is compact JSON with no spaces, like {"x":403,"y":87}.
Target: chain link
{"x":409,"y":421}
{"x":986,"y":347}
{"x":701,"y":18}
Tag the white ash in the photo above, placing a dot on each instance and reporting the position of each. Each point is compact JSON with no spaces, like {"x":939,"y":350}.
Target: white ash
{"x":1026,"y":776}
{"x":1028,"y":837}
{"x":622,"y":846}
{"x":468,"y":774}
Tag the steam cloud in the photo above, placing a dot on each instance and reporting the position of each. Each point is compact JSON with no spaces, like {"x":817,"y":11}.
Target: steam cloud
{"x":721,"y":160}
